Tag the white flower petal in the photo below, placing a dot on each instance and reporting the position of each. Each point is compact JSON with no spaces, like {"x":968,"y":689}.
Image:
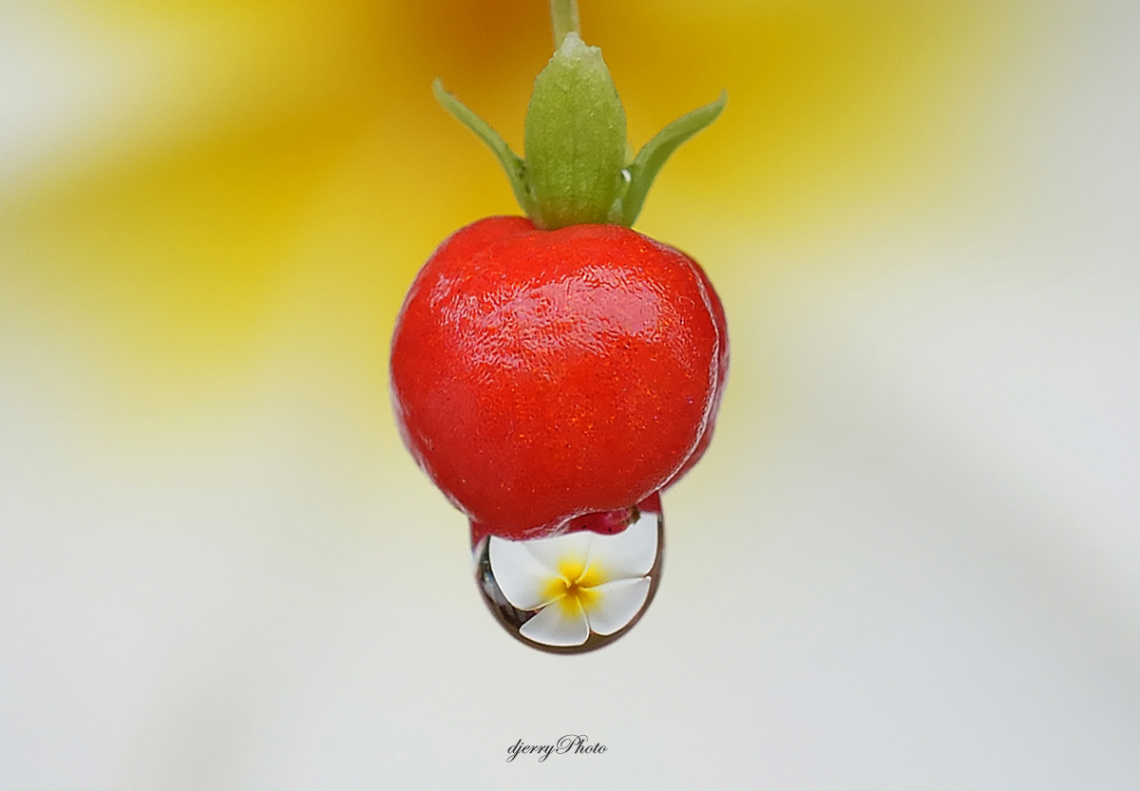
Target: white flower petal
{"x":572,"y":548}
{"x":562,"y":623}
{"x":521,"y":577}
{"x":616,"y":604}
{"x":631,"y":553}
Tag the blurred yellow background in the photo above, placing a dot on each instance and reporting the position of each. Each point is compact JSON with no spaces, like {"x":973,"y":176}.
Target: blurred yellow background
{"x":192,"y":186}
{"x":908,"y":561}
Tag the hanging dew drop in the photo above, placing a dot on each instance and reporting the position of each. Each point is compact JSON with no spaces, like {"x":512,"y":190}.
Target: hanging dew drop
{"x":580,"y":590}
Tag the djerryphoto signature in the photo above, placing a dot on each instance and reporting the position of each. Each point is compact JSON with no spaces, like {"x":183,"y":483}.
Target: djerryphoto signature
{"x":570,"y":743}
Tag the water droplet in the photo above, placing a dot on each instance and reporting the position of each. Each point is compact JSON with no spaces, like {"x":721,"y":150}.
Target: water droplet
{"x":580,"y":590}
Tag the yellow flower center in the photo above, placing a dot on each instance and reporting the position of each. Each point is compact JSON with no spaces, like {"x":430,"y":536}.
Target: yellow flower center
{"x":574,"y":586}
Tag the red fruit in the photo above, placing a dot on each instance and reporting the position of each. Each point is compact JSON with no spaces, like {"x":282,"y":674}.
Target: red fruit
{"x":539,"y":376}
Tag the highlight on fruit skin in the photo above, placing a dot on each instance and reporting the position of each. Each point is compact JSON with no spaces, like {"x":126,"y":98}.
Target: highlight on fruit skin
{"x":540,"y":376}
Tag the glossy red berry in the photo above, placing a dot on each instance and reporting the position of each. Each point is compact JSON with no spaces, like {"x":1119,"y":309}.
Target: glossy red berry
{"x":539,"y":376}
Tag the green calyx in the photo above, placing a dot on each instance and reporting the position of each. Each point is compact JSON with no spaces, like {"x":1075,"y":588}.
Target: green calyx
{"x":577,"y":168}
{"x":575,"y":138}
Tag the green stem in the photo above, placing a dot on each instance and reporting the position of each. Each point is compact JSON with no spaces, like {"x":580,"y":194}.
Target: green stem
{"x":577,"y":168}
{"x":564,"y":18}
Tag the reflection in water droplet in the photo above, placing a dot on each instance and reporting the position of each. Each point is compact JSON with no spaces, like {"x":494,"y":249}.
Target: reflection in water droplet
{"x":577,"y":591}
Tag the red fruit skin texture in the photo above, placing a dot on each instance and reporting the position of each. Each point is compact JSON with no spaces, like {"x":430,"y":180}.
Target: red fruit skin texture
{"x":538,"y":376}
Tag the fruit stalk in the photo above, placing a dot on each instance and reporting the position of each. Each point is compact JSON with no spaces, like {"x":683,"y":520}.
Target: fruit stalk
{"x":564,"y":19}
{"x":577,"y":168}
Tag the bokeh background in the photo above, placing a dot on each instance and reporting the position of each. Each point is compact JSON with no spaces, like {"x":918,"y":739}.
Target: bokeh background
{"x":910,"y":560}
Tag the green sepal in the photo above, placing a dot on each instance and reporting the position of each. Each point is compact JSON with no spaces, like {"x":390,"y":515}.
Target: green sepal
{"x":575,"y":169}
{"x":575,"y":138}
{"x":644,"y":168}
{"x":511,"y":162}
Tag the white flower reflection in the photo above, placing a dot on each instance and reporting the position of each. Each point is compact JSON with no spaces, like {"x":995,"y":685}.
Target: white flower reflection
{"x":579,"y":583}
